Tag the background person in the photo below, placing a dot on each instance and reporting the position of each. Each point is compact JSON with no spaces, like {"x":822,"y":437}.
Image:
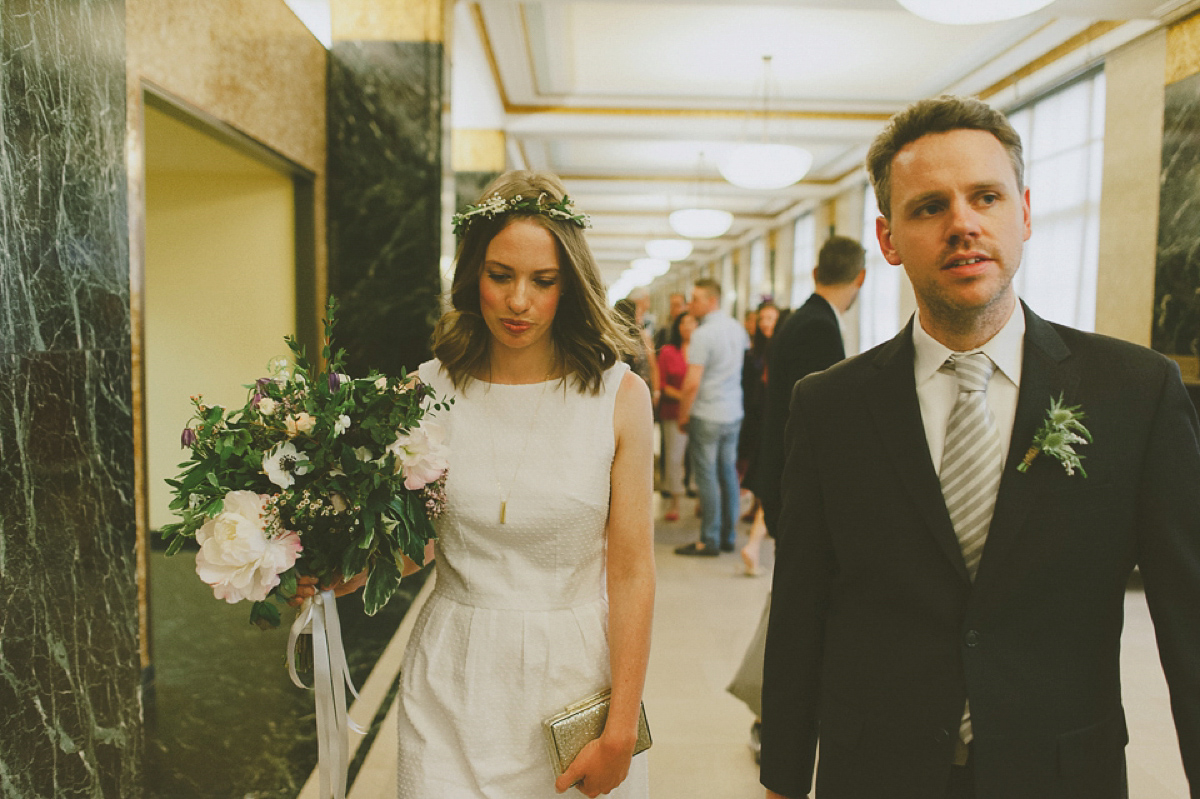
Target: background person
{"x":710,"y":412}
{"x":672,"y":366}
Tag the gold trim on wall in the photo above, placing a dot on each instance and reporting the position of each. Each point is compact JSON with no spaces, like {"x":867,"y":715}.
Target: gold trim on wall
{"x":388,"y":20}
{"x":1081,"y":39}
{"x":477,"y":150}
{"x":1183,"y":49}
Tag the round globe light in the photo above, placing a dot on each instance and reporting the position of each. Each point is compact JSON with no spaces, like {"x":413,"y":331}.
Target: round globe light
{"x":670,"y":249}
{"x":652,"y":267}
{"x":700,"y":223}
{"x":765,"y":166}
{"x":956,"y":12}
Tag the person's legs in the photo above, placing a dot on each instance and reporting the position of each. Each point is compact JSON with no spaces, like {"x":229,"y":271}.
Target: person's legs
{"x":703,"y":444}
{"x":730,"y":489}
{"x":673,"y":453}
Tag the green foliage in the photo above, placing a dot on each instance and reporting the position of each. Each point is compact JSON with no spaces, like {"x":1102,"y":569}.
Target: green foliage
{"x":342,"y":490}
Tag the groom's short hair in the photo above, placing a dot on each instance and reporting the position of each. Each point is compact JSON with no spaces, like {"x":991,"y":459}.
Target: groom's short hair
{"x":937,"y":115}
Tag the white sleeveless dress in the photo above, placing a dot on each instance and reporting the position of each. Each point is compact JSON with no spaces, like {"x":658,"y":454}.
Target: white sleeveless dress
{"x":516,"y":626}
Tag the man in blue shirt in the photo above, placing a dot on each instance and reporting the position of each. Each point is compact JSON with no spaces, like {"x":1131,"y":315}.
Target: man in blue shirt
{"x":710,"y":411}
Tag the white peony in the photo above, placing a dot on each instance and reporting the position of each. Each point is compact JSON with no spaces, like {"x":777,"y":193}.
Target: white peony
{"x":381,"y":383}
{"x":236,"y":557}
{"x":284,"y":461}
{"x":267,"y":406}
{"x":421,"y":454}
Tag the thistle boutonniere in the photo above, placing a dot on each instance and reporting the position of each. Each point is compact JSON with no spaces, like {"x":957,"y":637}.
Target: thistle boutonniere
{"x":1062,"y":428}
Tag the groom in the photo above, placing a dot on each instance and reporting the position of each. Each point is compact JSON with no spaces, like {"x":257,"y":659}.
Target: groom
{"x":945,"y":622}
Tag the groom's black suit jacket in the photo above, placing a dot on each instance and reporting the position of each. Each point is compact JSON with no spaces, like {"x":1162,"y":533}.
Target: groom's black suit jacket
{"x":877,"y":636}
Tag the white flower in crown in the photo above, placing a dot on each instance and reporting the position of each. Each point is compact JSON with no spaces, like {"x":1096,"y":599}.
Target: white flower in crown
{"x":237,"y":557}
{"x":421,"y":454}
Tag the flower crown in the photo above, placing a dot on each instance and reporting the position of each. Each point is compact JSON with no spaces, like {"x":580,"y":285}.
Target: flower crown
{"x":495,"y":205}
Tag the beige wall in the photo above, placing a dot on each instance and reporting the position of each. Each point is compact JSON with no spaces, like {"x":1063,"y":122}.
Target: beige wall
{"x":1129,"y":198}
{"x":219,"y":284}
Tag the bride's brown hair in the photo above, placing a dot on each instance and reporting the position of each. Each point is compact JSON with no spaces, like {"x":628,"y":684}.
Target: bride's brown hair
{"x":587,"y":337}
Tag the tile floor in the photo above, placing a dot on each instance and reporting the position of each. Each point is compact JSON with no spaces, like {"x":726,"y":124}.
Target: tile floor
{"x":706,"y":611}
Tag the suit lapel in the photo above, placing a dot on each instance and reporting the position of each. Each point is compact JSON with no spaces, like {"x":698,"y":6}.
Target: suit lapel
{"x":897,"y":414}
{"x":1046,"y":372}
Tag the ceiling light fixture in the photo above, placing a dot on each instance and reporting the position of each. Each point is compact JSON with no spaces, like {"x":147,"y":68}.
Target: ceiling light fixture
{"x":765,"y":164}
{"x":956,"y":12}
{"x":698,"y":222}
{"x":670,"y":249}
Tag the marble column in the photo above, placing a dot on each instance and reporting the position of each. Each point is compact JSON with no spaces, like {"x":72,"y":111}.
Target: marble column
{"x":386,"y":91}
{"x":1177,"y":281}
{"x":69,"y":677}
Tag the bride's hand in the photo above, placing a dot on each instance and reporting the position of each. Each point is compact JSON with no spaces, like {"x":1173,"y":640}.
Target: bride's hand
{"x":307,"y":587}
{"x":599,"y":767}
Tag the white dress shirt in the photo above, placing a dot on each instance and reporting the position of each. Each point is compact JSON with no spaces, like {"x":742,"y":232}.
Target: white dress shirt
{"x":937,"y":391}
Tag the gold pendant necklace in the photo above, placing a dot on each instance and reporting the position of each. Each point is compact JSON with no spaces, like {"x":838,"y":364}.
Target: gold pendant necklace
{"x":504,"y":495}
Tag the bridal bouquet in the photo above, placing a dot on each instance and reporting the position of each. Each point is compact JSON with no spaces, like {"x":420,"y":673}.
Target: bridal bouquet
{"x":317,"y":474}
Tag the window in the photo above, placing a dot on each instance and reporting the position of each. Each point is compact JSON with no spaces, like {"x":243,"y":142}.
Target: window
{"x":1063,"y":134}
{"x":879,"y":299}
{"x":804,"y":258}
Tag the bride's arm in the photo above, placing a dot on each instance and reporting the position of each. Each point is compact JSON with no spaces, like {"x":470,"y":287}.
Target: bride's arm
{"x":604,"y":763}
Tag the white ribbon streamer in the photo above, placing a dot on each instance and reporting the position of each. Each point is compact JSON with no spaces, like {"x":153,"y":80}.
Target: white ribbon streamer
{"x":318,"y":616}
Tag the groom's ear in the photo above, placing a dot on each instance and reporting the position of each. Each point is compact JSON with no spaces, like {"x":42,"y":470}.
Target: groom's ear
{"x":883,"y":232}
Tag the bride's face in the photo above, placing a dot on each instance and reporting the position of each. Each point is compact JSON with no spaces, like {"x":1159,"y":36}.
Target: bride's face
{"x":520,"y":285}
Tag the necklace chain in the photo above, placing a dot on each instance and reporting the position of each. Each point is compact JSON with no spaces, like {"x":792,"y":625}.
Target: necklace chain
{"x":504,"y":495}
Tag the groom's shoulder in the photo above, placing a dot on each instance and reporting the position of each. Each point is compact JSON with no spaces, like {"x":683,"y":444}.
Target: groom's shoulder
{"x":1109,"y":356}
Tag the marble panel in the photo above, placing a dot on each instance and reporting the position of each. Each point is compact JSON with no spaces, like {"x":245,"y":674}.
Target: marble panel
{"x":1177,"y":279}
{"x":69,"y":671}
{"x":64,"y":267}
{"x":384,"y":188}
{"x":468,"y":186}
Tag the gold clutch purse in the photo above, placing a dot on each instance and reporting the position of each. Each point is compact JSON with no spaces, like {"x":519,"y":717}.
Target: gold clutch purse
{"x":571,"y":730}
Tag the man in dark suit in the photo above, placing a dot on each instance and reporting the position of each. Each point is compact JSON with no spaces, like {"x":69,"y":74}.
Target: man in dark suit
{"x":947,"y":643}
{"x":809,"y":340}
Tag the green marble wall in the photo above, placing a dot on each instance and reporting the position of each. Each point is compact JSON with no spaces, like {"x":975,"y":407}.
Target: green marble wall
{"x":70,"y":723}
{"x":384,"y":199}
{"x":1177,"y":278}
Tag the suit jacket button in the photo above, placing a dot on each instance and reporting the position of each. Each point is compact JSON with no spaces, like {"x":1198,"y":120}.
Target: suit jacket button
{"x":972,"y":638}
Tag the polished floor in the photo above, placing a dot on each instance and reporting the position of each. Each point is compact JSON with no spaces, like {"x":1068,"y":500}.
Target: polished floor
{"x":706,"y":610}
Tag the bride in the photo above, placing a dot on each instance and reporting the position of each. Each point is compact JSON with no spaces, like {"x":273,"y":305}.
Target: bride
{"x":544,"y":557}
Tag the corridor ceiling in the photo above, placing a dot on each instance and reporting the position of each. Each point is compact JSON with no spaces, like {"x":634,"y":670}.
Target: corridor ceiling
{"x":621,"y":97}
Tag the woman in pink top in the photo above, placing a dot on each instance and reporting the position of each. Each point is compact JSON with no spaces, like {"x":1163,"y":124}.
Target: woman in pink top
{"x":672,"y":366}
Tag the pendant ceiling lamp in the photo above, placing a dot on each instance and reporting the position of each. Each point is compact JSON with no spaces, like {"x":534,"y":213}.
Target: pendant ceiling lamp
{"x":764,"y":164}
{"x":959,"y":12}
{"x":698,"y":221}
{"x":669,"y":249}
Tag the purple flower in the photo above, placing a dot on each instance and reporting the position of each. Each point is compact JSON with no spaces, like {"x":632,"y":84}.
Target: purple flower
{"x":256,"y":399}
{"x":335,"y":382}
{"x":263,"y":382}
{"x":187,"y":438}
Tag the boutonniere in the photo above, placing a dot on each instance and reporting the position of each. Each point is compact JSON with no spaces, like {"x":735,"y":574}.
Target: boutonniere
{"x":1062,"y":428}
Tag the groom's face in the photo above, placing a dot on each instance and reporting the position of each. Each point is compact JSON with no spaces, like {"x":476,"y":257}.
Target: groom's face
{"x":958,"y":223}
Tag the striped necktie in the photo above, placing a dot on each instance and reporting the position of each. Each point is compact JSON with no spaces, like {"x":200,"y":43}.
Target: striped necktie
{"x":971,"y":466}
{"x":971,"y":461}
